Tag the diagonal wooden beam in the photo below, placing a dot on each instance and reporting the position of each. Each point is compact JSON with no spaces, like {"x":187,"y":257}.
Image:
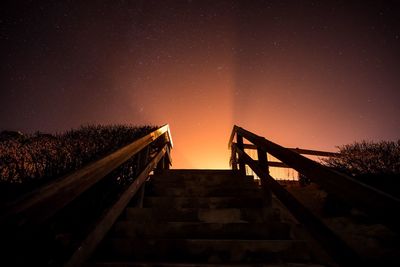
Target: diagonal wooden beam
{"x":105,"y":223}
{"x":333,"y":244}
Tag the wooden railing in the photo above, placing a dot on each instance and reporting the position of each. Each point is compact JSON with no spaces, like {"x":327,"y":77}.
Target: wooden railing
{"x":300,"y":151}
{"x":151,"y":152}
{"x":378,"y":204}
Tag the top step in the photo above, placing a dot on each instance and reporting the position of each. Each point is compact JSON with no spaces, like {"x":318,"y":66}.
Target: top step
{"x":207,"y":176}
{"x":200,"y":171}
{"x":196,"y":173}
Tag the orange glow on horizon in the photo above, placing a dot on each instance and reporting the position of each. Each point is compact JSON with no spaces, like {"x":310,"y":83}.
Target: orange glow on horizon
{"x":298,"y":75}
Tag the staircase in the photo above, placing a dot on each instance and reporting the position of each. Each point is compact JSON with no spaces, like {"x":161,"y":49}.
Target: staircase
{"x":202,"y":218}
{"x":100,"y":215}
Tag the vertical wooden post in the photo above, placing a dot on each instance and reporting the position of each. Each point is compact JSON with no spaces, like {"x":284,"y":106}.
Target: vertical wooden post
{"x":160,"y":165}
{"x":263,"y":160}
{"x":167,"y":159}
{"x":263,"y":163}
{"x":137,"y":163}
{"x":146,"y":155}
{"x":166,"y":163}
{"x":239,"y":141}
{"x":141,"y":196}
{"x":143,"y":162}
{"x":234,"y":160}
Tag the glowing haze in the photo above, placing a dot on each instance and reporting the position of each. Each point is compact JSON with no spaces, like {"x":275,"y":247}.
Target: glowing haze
{"x":309,"y":74}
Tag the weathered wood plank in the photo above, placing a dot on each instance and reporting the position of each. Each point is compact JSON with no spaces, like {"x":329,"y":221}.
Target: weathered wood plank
{"x":264,"y":167}
{"x":277,"y":164}
{"x":239,"y":140}
{"x":315,"y":152}
{"x":302,"y":151}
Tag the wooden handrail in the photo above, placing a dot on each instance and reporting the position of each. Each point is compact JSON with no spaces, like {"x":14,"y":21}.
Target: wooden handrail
{"x":44,"y":202}
{"x":170,"y":142}
{"x":297,"y":150}
{"x":311,"y":152}
{"x":335,"y":246}
{"x":109,"y":217}
{"x":301,"y":151}
{"x":365,"y":197}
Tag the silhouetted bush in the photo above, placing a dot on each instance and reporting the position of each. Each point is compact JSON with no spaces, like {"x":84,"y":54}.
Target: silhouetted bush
{"x":375,"y":164}
{"x":365,"y":157}
{"x":28,"y":160}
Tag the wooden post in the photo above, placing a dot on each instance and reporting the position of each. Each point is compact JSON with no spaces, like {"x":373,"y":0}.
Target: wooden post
{"x":263,"y":163}
{"x":167,"y":159}
{"x":263,"y":160}
{"x":163,"y":164}
{"x":138,"y":161}
{"x":144,"y":160}
{"x":160,"y":165}
{"x":141,"y":196}
{"x":242,"y":166}
{"x":147,"y":154}
{"x":166,"y":163}
{"x":234,"y":160}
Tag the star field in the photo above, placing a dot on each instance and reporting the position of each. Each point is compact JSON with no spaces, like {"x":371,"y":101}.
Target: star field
{"x":311,"y":74}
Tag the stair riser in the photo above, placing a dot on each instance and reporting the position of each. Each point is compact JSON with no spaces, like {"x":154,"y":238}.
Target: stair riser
{"x":204,"y":192}
{"x":207,"y":202}
{"x":202,"y":230}
{"x":201,"y":182}
{"x":198,"y":215}
{"x":195,"y":186}
{"x":162,"y":264}
{"x":206,"y":180}
{"x":211,"y":251}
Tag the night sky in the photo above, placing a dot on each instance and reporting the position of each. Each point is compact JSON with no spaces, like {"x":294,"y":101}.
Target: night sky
{"x":310,"y":74}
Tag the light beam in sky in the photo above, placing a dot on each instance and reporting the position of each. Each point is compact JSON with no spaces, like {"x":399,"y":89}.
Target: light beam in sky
{"x":303,"y":74}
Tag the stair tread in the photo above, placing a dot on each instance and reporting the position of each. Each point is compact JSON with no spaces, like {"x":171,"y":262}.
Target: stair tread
{"x":164,"y":184}
{"x":200,"y":230}
{"x":204,"y":202}
{"x":205,"y":192}
{"x":201,"y":177}
{"x":200,"y":171}
{"x":198,"y":214}
{"x":177,"y":264}
{"x":206,"y":250}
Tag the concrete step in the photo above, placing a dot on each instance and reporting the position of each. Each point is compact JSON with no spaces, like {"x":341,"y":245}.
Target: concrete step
{"x":202,"y":177}
{"x":204,"y":218}
{"x":203,"y":202}
{"x":202,"y":183}
{"x":197,"y":230}
{"x":245,"y":184}
{"x":194,"y":172}
{"x":203,"y":191}
{"x":199,"y":215}
{"x":175,"y":264}
{"x":206,"y":251}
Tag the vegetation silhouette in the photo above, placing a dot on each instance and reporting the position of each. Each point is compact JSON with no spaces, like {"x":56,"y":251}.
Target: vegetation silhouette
{"x":30,"y":160}
{"x":376,"y":164}
{"x":373,"y":163}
